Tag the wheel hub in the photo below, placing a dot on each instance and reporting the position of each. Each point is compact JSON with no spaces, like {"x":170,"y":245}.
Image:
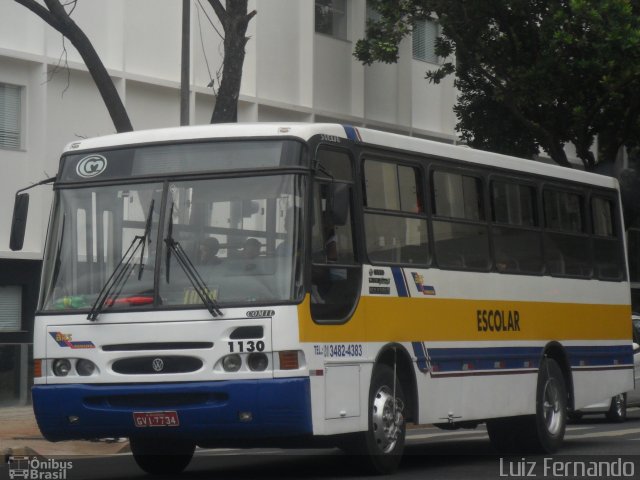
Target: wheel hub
{"x":552,"y":407}
{"x":387,"y":419}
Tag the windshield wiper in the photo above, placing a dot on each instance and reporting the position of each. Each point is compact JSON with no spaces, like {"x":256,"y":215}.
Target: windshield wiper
{"x":122,"y":272}
{"x":145,"y":238}
{"x":190,"y":270}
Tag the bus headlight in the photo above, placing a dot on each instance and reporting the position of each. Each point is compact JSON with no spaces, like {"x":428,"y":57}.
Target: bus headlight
{"x":85,"y":367}
{"x":61,"y":367}
{"x":231,"y":363}
{"x":257,"y":362}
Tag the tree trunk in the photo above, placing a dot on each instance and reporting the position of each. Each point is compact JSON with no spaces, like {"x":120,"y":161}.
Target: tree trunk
{"x":226,"y":109}
{"x":235,"y":20}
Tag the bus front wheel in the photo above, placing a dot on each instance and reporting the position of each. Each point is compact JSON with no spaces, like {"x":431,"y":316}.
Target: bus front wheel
{"x":383,"y":442}
{"x":159,"y":457}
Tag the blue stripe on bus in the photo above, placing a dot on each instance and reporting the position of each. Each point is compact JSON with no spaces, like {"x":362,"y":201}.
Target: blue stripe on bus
{"x":401,"y":283}
{"x":421,"y":357}
{"x":585,"y":356}
{"x":468,"y":360}
{"x":351,"y":132}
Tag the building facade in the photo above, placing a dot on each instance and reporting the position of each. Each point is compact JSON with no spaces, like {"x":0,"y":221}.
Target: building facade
{"x":299,"y":67}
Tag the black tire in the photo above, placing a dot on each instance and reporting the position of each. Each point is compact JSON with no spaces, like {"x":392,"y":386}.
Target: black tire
{"x":380,"y":447}
{"x":618,"y":409}
{"x":545,"y":431}
{"x":161,"y":457}
{"x":542,"y":432}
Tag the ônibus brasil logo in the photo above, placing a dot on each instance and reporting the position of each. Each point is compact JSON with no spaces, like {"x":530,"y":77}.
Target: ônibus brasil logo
{"x":91,"y":166}
{"x":34,"y":468}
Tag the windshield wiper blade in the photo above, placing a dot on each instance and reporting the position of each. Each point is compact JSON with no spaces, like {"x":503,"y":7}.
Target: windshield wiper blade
{"x":120,"y":273}
{"x":146,"y":238}
{"x":123,"y":270}
{"x":191,"y":272}
{"x":168,"y":254}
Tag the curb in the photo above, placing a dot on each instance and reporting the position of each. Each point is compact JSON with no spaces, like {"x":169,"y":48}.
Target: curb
{"x":20,"y":451}
{"x":31,"y":452}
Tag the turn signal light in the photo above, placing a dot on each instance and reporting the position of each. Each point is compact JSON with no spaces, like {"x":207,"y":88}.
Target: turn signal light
{"x":37,"y":368}
{"x":289,"y":360}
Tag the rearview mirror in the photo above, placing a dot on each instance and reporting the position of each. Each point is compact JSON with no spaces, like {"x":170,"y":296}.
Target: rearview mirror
{"x":636,"y":347}
{"x":19,"y":221}
{"x":338,"y":203}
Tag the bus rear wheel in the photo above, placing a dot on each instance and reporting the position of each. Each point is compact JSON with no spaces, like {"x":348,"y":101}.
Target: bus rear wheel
{"x":161,"y":457}
{"x":542,"y":432}
{"x":549,"y":424}
{"x":383,"y":443}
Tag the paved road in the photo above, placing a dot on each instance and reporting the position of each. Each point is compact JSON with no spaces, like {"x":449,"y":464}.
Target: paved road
{"x":430,"y":454}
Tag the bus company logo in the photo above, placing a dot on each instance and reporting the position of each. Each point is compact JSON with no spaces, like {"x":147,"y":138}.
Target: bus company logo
{"x":37,"y":469}
{"x":91,"y":166}
{"x":157,"y":365}
{"x":64,"y":340}
{"x":422,"y":288}
{"x":260,"y":313}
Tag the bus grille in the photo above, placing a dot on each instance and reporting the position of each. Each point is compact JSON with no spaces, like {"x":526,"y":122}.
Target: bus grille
{"x":131,"y":347}
{"x":161,"y":364}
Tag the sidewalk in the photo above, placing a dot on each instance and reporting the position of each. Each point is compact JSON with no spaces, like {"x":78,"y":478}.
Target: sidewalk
{"x":19,"y":435}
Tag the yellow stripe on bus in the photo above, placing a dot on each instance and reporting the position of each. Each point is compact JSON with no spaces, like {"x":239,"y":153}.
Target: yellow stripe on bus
{"x":402,"y":319}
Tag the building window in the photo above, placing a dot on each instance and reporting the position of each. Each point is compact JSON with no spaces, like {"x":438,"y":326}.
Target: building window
{"x":10,"y":309}
{"x":10,"y":116}
{"x":331,"y":18}
{"x":425,"y":33}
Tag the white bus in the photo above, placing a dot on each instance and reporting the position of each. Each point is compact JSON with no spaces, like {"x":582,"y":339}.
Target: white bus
{"x":263,"y":284}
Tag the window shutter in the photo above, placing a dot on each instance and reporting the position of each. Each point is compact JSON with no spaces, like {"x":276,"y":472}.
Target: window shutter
{"x":10,"y":308}
{"x":425,"y":33}
{"x":10,"y":116}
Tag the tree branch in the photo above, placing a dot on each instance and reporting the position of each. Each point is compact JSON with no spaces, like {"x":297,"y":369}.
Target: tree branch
{"x":220,"y":11}
{"x":59,"y":19}
{"x":42,"y":12}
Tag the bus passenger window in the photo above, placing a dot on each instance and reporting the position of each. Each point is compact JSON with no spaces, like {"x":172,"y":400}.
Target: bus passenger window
{"x":566,"y":244}
{"x":460,"y":231}
{"x":395,"y":222}
{"x":516,"y":235}
{"x":607,"y":247}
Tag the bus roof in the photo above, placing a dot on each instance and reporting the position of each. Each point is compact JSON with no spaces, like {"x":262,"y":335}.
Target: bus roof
{"x":305,"y":131}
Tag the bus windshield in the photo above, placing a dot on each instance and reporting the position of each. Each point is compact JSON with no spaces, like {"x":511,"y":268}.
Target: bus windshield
{"x":239,"y":234}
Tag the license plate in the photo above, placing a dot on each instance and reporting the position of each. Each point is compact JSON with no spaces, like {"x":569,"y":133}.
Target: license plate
{"x":155,"y":419}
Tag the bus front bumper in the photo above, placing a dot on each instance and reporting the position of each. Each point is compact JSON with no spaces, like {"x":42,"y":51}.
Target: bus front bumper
{"x":201,"y":411}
